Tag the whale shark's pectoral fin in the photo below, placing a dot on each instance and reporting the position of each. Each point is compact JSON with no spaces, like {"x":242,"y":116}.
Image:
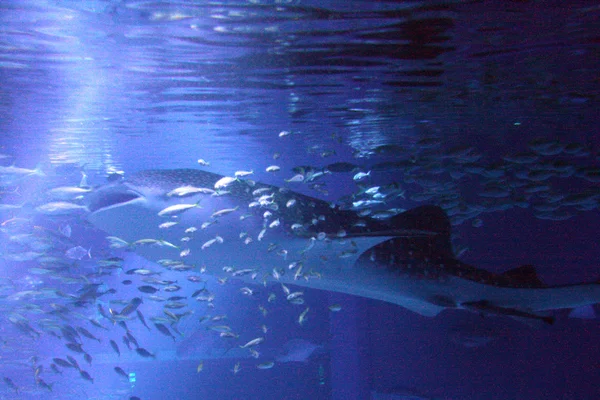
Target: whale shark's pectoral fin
{"x":420,"y":307}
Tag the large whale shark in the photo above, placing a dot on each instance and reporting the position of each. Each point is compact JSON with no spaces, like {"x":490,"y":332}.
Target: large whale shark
{"x":260,"y":232}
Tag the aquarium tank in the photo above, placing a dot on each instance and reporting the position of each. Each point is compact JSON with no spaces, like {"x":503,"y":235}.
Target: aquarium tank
{"x":299,"y":199}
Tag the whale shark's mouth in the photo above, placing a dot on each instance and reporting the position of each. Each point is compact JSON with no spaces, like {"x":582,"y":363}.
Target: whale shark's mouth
{"x":111,"y":196}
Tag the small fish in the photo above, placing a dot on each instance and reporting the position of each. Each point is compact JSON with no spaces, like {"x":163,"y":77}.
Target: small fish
{"x":184,"y":191}
{"x":294,"y":295}
{"x":266,"y":365}
{"x":131,"y":306}
{"x":43,"y":384}
{"x":115,"y":347}
{"x":261,"y":234}
{"x":59,"y":208}
{"x":241,"y":272}
{"x":120,"y":371}
{"x":290,"y":203}
{"x":302,"y":317}
{"x":74,"y":362}
{"x":116,"y":243}
{"x":132,"y":339}
{"x":335,"y":307}
{"x":206,"y":224}
{"x":236,"y":368}
{"x":200,"y":366}
{"x":78,"y":252}
{"x":142,"y":319}
{"x":167,"y":225}
{"x":164,"y":330}
{"x":241,"y":174}
{"x":76,"y":347}
{"x":154,"y":242}
{"x":217,"y":239}
{"x":219,"y":328}
{"x":272,"y":168}
{"x":296,"y":178}
{"x":203,"y":162}
{"x":361,"y":175}
{"x":148,"y":289}
{"x":177,"y":209}
{"x":365,"y":203}
{"x":144,"y":353}
{"x":225,"y":211}
{"x":85,"y":375}
{"x":373,"y":190}
{"x":87,"y":333}
{"x":253,"y":342}
{"x":68,"y":192}
{"x":224,"y":182}
{"x":228,"y":335}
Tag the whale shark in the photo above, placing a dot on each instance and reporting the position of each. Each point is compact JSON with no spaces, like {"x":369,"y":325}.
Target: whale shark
{"x":267,"y":234}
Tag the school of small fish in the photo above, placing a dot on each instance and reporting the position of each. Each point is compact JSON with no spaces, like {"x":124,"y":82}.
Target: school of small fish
{"x":66,"y":298}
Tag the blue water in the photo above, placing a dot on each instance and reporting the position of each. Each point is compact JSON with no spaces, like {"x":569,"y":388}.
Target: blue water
{"x":436,"y":97}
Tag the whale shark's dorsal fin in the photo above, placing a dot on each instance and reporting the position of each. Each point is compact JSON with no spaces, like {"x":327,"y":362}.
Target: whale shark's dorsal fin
{"x":424,"y":218}
{"x":420,"y":234}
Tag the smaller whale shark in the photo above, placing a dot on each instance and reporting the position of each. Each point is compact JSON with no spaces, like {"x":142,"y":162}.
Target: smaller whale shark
{"x":295,"y":239}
